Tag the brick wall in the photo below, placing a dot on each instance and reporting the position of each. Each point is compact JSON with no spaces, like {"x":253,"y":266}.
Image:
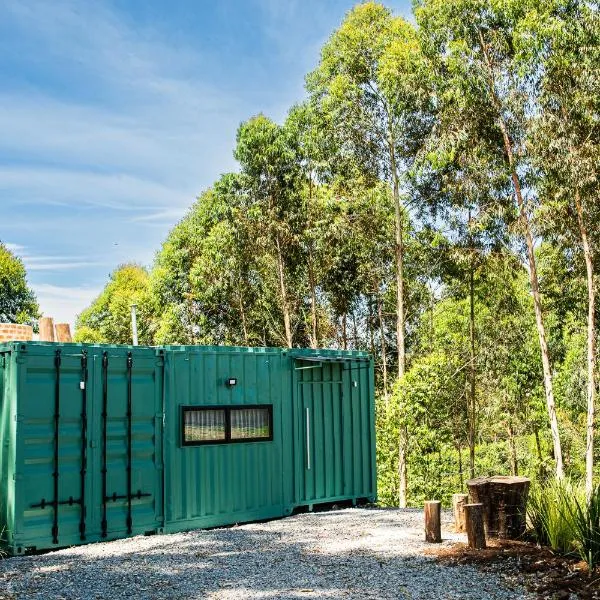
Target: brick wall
{"x":9,"y":332}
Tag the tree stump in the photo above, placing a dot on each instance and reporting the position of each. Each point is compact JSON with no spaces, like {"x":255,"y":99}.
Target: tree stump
{"x":458,"y":506}
{"x":433,"y":521}
{"x":504,"y":500}
{"x":474,"y":525}
{"x":63,"y":332}
{"x":46,"y":325}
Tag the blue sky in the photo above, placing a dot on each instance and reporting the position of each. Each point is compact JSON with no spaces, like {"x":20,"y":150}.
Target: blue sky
{"x":115,"y":115}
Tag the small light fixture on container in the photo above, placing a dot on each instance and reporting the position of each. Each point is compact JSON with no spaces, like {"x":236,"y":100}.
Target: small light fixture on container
{"x":231,"y":382}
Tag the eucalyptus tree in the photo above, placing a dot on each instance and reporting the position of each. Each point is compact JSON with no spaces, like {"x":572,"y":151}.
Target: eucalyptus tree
{"x":17,"y":300}
{"x":565,"y":144}
{"x":368,"y":86}
{"x":271,"y":174}
{"x":486,"y":93}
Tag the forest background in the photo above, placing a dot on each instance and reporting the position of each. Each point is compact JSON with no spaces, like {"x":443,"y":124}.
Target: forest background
{"x":435,"y":201}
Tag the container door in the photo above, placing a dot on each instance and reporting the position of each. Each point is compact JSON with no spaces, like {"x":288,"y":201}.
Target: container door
{"x":320,"y":398}
{"x":53,"y":448}
{"x":128,"y":443}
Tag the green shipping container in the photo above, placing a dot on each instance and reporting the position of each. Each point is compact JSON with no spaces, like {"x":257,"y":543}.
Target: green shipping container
{"x":100,"y":442}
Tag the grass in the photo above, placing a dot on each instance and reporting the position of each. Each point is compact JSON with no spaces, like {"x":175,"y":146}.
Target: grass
{"x":560,"y":517}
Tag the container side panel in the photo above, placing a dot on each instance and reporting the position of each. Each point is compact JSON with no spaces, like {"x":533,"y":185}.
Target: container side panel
{"x":233,"y":480}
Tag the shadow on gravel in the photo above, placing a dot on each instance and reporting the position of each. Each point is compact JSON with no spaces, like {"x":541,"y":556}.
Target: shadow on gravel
{"x":245,"y":562}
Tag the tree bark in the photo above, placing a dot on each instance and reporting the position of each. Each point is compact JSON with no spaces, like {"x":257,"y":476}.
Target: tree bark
{"x":514,"y":463}
{"x":504,"y":501}
{"x":591,"y":350}
{"x":243,"y":316}
{"x":399,"y":249}
{"x":345,"y":331}
{"x":433,"y":521}
{"x":314,"y":340}
{"x":474,"y":526}
{"x":283,"y":292}
{"x":533,"y":277}
{"x":460,"y":467}
{"x":458,"y":508}
{"x":472,"y":410}
{"x":383,"y":349}
{"x":402,"y":467}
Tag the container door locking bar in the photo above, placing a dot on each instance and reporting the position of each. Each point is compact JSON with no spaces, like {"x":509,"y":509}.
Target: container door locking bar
{"x":129,"y":381}
{"x":104,"y":524}
{"x":84,"y":378}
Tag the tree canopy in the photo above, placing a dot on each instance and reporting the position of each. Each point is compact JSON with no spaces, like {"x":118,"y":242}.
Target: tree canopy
{"x":434,"y":200}
{"x":17,"y":301}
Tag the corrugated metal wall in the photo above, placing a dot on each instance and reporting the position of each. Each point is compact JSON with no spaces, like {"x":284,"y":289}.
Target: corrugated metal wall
{"x":116,"y":457}
{"x":58,"y":486}
{"x":222,"y":483}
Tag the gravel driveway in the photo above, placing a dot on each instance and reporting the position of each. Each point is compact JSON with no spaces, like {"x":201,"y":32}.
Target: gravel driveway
{"x":351,"y":553}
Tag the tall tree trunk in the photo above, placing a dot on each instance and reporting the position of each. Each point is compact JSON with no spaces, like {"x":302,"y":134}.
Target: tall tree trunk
{"x":355,"y":330}
{"x":399,"y":250}
{"x":287,"y":323}
{"x":402,"y":466}
{"x":345,"y":331}
{"x":472,"y":400}
{"x":533,"y":277}
{"x":591,"y":350}
{"x":460,"y":468}
{"x":243,"y":317}
{"x":514,"y":463}
{"x":314,"y":338}
{"x":383,"y":348}
{"x":370,"y":328}
{"x":539,"y":452}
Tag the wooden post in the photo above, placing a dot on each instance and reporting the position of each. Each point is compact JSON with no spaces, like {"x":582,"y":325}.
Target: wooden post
{"x":433,"y":521}
{"x":63,"y":332}
{"x":46,"y":329}
{"x":474,"y":525}
{"x":458,"y":507}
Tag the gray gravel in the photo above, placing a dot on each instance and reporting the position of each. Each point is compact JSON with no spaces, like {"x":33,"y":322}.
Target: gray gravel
{"x":351,"y":553}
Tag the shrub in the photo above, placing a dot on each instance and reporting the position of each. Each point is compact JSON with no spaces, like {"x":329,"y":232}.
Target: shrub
{"x":585,"y":518}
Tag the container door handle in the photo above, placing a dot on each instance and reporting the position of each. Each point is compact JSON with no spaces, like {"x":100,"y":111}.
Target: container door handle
{"x":307,"y":439}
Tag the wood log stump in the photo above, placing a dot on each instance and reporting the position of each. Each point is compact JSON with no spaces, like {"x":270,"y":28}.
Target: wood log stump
{"x":63,"y":332}
{"x":504,"y":500}
{"x":474,"y":525}
{"x":458,"y":507}
{"x":433,"y":521}
{"x":46,"y":329}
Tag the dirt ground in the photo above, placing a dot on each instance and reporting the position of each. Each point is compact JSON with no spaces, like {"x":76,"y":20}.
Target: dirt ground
{"x":538,"y":569}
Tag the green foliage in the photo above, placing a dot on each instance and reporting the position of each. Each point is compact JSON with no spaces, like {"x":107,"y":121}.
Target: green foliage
{"x":17,"y":301}
{"x":562,"y":518}
{"x":400,"y":168}
{"x":549,"y":509}
{"x":108,"y":319}
{"x":585,"y":517}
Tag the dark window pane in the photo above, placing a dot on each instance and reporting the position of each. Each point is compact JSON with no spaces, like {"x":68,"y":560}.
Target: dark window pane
{"x":250,"y":423}
{"x":204,"y":425}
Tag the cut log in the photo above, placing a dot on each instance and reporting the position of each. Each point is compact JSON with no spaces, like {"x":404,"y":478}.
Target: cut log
{"x":46,"y":329}
{"x":474,"y":525}
{"x":433,"y":521}
{"x":63,"y":332}
{"x":504,"y":502}
{"x":458,"y":506}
